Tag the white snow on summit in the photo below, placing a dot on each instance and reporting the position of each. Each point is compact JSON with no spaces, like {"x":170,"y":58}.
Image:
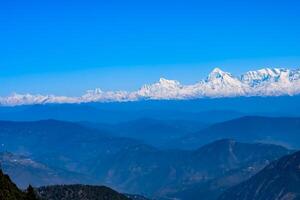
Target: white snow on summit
{"x":223,"y":84}
{"x":263,"y":82}
{"x":163,"y":89}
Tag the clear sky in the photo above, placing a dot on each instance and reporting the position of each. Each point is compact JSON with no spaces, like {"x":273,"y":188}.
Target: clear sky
{"x":69,"y":46}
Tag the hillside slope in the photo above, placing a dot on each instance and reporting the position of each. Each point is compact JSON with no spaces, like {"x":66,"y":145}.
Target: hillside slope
{"x":226,"y":162}
{"x":9,"y":191}
{"x":280,"y":180}
{"x":24,"y":171}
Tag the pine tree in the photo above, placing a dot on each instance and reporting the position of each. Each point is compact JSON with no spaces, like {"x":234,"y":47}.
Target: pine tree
{"x":30,"y":194}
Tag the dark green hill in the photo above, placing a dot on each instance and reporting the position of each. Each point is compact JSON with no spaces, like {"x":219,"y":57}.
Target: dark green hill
{"x":9,"y":191}
{"x":79,"y":192}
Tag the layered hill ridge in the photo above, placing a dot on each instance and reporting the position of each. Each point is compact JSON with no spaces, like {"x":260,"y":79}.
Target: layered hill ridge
{"x":263,"y":82}
{"x":135,"y":169}
{"x":278,"y":130}
{"x":131,"y":166}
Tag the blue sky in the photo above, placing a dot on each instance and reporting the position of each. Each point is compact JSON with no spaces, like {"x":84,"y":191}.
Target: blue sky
{"x":67,"y":47}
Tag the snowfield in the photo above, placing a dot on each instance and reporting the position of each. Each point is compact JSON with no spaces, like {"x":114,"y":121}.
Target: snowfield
{"x":263,"y":82}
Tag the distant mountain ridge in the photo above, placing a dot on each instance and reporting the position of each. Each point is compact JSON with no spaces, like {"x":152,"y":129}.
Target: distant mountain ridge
{"x":158,"y":133}
{"x":263,"y":82}
{"x":278,"y":130}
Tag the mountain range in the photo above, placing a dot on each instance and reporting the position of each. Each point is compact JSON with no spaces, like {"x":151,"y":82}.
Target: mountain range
{"x":59,"y":152}
{"x":188,"y":134}
{"x":59,"y":144}
{"x":263,"y":82}
{"x":278,"y":180}
{"x":223,"y":162}
{"x":125,"y":164}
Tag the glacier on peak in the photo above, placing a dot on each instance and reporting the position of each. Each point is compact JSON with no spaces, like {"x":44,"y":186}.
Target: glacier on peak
{"x":254,"y":78}
{"x":262,"y":82}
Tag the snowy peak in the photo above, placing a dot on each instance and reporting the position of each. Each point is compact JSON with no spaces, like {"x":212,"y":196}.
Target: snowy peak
{"x":166,"y":83}
{"x":220,"y":78}
{"x":262,"y":82}
{"x":164,"y":88}
{"x":223,"y":84}
{"x":217,"y":70}
{"x":162,"y":83}
{"x":217,"y":73}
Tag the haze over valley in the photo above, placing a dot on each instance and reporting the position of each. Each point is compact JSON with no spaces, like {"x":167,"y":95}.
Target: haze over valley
{"x":198,"y":152}
{"x":150,"y":100}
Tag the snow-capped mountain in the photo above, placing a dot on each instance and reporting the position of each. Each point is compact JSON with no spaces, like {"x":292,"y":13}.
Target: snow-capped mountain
{"x":221,"y":84}
{"x":263,"y":82}
{"x":163,"y":89}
